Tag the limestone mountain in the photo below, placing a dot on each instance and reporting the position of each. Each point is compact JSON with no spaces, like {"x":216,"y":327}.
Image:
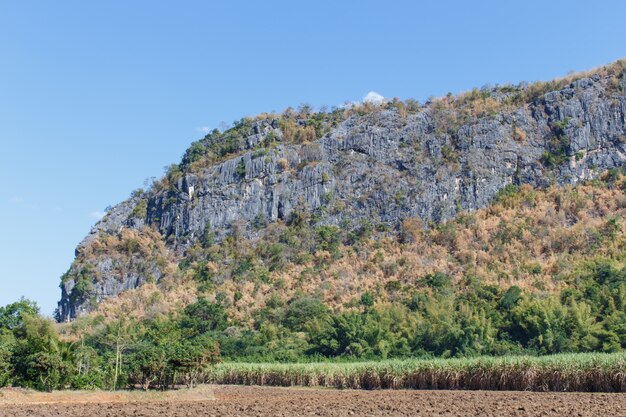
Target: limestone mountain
{"x":297,"y":186}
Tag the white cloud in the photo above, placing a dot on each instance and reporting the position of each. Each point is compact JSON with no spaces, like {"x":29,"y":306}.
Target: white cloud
{"x":204,"y":129}
{"x":16,"y":200}
{"x":374,"y":98}
{"x":97,"y":214}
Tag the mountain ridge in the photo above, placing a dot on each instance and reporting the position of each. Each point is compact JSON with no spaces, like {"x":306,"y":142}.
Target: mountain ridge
{"x":377,"y":164}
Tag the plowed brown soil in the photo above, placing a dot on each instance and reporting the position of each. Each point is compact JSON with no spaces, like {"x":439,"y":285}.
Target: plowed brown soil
{"x":265,"y":401}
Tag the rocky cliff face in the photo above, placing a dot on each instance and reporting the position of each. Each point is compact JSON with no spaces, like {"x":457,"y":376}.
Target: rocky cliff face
{"x":381,"y":166}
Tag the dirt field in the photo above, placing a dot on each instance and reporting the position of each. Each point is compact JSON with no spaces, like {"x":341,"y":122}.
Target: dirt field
{"x":265,"y":401}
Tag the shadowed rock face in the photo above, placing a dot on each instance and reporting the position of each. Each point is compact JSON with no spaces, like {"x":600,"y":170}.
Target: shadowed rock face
{"x":380,"y":167}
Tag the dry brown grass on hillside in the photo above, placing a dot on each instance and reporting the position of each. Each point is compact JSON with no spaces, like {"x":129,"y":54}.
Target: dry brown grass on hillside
{"x":146,"y":302}
{"x":147,"y":242}
{"x":149,"y":301}
{"x":533,"y":239}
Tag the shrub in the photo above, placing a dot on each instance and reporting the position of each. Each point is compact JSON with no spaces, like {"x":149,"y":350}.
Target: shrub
{"x":204,"y":316}
{"x":283,"y":164}
{"x":393,"y":286}
{"x":240,"y":170}
{"x":140,"y":210}
{"x":411,"y":230}
{"x":328,"y":238}
{"x":83,"y":290}
{"x":449,"y":154}
{"x":507,"y":195}
{"x":519,"y":135}
{"x":303,"y":310}
{"x":558,"y":145}
{"x":296,"y":133}
{"x":203,"y":274}
{"x":438,"y":281}
{"x":511,"y":297}
{"x":366,"y":300}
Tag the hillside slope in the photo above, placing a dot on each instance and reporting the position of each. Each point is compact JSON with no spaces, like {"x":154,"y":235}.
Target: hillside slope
{"x":270,"y":205}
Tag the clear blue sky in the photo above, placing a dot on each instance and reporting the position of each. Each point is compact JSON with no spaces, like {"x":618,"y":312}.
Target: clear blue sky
{"x":95,"y":97}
